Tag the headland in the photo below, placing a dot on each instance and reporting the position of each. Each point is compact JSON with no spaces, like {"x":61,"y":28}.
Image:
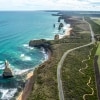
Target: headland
{"x":42,"y":85}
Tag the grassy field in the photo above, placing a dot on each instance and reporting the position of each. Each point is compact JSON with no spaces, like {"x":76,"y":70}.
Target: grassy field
{"x":74,"y":82}
{"x":45,"y":83}
{"x":98,"y":49}
{"x":98,"y":53}
{"x":97,"y":21}
{"x":95,"y":26}
{"x":45,"y":87}
{"x":99,"y":63}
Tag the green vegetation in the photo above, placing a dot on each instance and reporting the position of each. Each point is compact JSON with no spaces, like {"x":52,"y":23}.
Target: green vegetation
{"x":97,"y":21}
{"x":74,"y":82}
{"x":98,"y":49}
{"x":99,"y":63}
{"x":98,"y":53}
{"x":95,"y":26}
{"x":45,"y":85}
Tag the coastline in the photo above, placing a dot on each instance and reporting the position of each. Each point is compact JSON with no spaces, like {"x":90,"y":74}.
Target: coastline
{"x":23,"y":95}
{"x":30,"y":77}
{"x":45,"y":83}
{"x":25,"y":92}
{"x":67,"y":32}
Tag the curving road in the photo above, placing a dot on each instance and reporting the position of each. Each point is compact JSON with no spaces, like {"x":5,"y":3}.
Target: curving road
{"x":60,"y":87}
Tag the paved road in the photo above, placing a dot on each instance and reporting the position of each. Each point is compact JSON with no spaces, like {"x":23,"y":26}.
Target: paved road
{"x":60,"y":87}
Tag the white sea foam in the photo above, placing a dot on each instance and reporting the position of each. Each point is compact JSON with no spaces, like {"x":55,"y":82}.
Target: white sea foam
{"x":16,"y":71}
{"x":66,"y":26}
{"x":19,"y":71}
{"x":7,"y":94}
{"x":25,"y":45}
{"x":28,"y":47}
{"x":45,"y":54}
{"x":56,"y":31}
{"x":25,"y":58}
{"x":22,"y":55}
{"x":2,"y":66}
{"x":1,"y":62}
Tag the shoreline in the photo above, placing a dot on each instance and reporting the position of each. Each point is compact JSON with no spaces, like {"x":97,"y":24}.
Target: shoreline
{"x":66,"y":33}
{"x":30,"y":77}
{"x":23,"y":95}
{"x":25,"y":92}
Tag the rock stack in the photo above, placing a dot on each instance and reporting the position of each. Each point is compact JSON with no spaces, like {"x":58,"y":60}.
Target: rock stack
{"x":7,"y":71}
{"x":56,"y":37}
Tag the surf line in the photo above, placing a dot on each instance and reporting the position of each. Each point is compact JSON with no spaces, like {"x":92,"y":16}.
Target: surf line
{"x":88,"y":83}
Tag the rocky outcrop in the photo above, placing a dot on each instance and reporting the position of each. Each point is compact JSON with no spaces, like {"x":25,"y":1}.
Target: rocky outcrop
{"x":7,"y":71}
{"x":56,"y":37}
{"x":60,"y":26}
{"x":40,"y":43}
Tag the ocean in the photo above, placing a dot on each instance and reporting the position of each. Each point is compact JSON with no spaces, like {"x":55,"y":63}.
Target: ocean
{"x":16,"y":30}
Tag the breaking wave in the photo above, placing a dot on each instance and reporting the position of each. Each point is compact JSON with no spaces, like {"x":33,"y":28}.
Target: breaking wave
{"x":7,"y":94}
{"x":28,"y":47}
{"x":25,"y":58}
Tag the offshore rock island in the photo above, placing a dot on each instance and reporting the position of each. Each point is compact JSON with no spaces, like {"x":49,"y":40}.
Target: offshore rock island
{"x":7,"y":71}
{"x":77,"y":69}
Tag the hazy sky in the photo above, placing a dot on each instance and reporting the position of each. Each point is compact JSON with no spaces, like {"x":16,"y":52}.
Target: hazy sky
{"x":50,"y":5}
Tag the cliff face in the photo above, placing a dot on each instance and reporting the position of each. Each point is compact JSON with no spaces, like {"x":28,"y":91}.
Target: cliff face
{"x":40,"y":43}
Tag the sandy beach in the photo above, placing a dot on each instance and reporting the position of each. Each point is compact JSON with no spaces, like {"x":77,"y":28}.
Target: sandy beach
{"x":24,"y":94}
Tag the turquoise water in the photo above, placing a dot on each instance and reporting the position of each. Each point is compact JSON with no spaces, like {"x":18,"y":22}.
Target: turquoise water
{"x":16,"y":30}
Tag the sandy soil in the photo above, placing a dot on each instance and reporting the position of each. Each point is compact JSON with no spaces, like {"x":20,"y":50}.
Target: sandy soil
{"x":67,"y":33}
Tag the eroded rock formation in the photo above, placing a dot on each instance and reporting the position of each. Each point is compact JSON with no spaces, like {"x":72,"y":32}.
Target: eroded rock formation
{"x":40,"y":43}
{"x":7,"y":71}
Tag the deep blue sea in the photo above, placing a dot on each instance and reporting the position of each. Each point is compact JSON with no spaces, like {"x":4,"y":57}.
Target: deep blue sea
{"x":16,"y":30}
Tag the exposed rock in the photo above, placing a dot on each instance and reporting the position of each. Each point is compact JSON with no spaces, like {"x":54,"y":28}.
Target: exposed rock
{"x":7,"y":71}
{"x":59,"y":18}
{"x":40,"y":43}
{"x":53,"y":25}
{"x":37,"y":43}
{"x":60,"y":26}
{"x":56,"y":37}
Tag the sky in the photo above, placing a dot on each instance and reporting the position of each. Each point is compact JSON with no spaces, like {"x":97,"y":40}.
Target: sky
{"x":88,"y":5}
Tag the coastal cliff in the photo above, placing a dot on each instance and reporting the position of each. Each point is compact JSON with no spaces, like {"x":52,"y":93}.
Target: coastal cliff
{"x":45,"y":86}
{"x":41,"y":43}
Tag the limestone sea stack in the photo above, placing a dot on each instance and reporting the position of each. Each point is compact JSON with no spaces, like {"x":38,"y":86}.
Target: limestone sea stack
{"x":7,"y":71}
{"x":56,"y":37}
